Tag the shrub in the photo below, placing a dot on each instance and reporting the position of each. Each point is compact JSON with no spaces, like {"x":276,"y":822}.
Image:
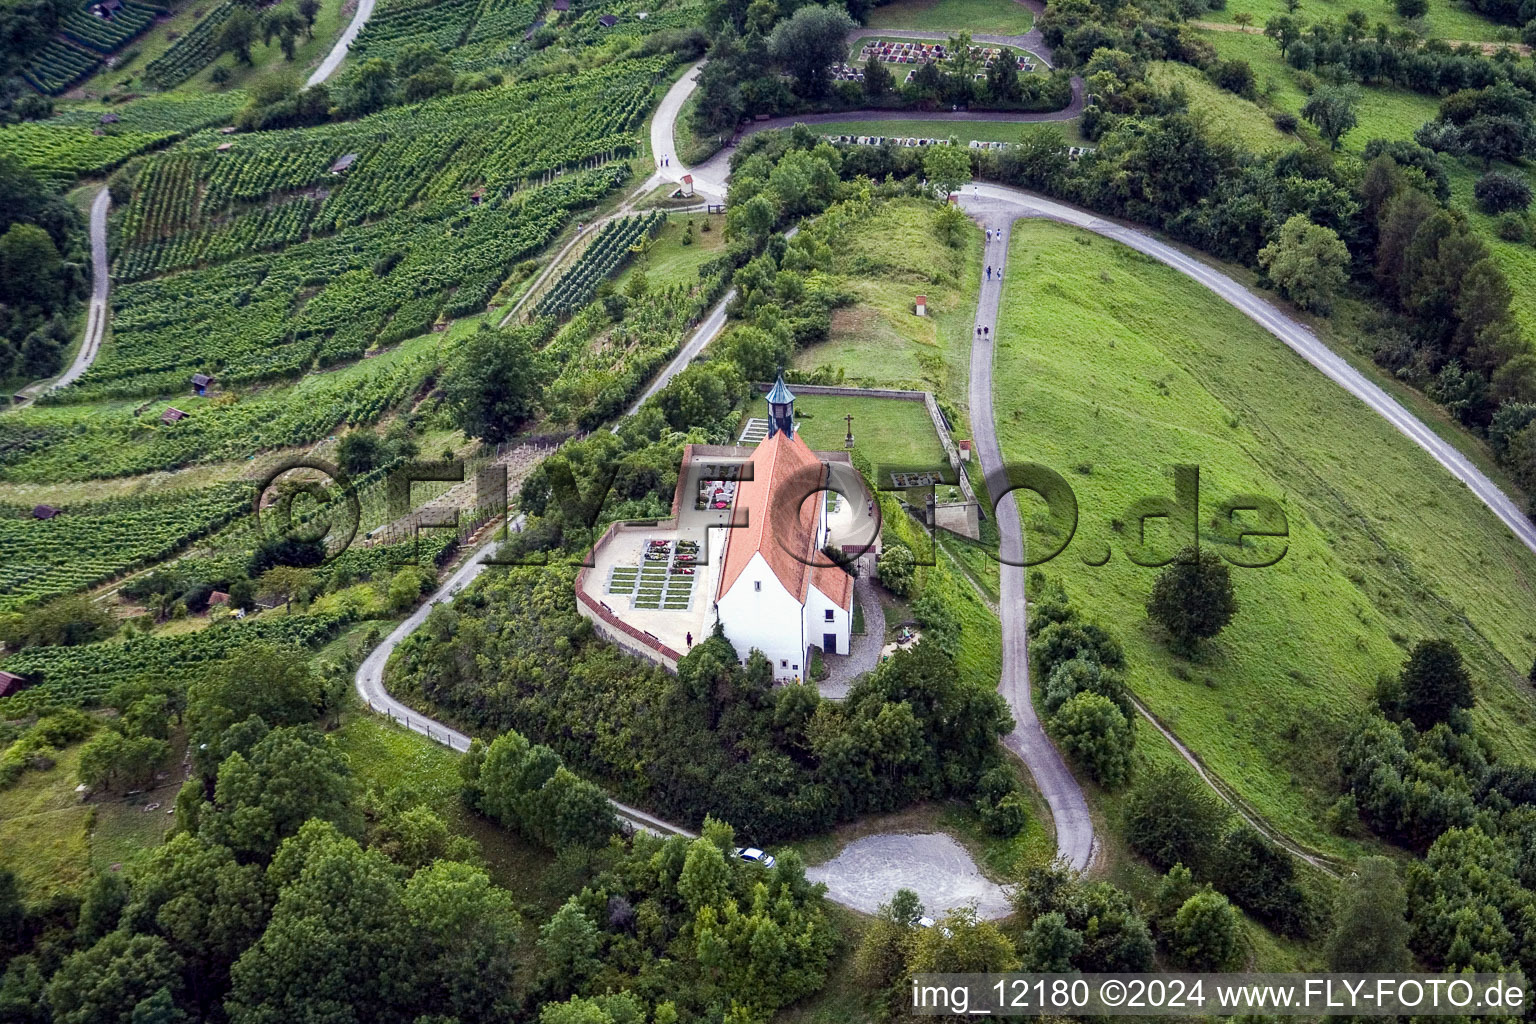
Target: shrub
{"x":1193,"y":598}
{"x":1172,"y":818}
{"x":1498,"y":192}
{"x":1097,"y":736}
{"x":1512,"y":228}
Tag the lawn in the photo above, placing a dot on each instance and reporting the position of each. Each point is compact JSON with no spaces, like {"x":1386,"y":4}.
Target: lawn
{"x":979,"y":17}
{"x":669,"y":262}
{"x":892,"y":257}
{"x":889,"y":431}
{"x":1447,"y":19}
{"x":964,"y":131}
{"x":1228,"y":114}
{"x":1112,"y":369}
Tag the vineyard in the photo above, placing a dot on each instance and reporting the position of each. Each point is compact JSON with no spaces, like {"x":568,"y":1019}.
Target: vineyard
{"x":105,"y":35}
{"x":50,"y":443}
{"x":57,"y":66}
{"x":82,"y":676}
{"x":444,"y":24}
{"x":194,"y":51}
{"x":607,"y":253}
{"x":89,"y":544}
{"x":66,"y":146}
{"x":266,"y":317}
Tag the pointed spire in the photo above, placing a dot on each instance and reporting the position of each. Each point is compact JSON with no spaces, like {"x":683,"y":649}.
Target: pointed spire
{"x":781,"y":409}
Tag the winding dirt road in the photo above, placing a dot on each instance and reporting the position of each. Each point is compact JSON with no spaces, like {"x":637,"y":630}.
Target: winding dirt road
{"x":96,"y":313}
{"x":338,"y":52}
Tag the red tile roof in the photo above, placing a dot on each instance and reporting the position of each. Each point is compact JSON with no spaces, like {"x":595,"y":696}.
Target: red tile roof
{"x":835,"y":583}
{"x":779,"y":505}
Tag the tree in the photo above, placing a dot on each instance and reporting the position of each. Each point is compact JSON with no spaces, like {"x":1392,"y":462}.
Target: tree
{"x":1050,"y":945}
{"x":360,"y":451}
{"x":897,"y":568}
{"x":877,"y":78}
{"x":290,"y":776}
{"x":371,"y":88}
{"x":106,"y":983}
{"x":30,"y":267}
{"x":339,"y":945}
{"x":1207,"y":934}
{"x":205,"y":905}
{"x":1498,"y":192}
{"x":63,"y":622}
{"x":1412,"y":8}
{"x":309,"y":10}
{"x":1332,"y":111}
{"x":493,"y":384}
{"x":1095,"y":734}
{"x":569,"y":943}
{"x":1235,"y":76}
{"x":118,"y":763}
{"x":947,"y":168}
{"x":961,"y":943}
{"x":706,"y":877}
{"x":1284,"y":30}
{"x":465,"y":931}
{"x":1171,"y":817}
{"x":808,"y":43}
{"x":1003,"y":78}
{"x":1193,"y":598}
{"x":277,"y":684}
{"x":1370,"y":929}
{"x":1434,"y":683}
{"x":238,"y":34}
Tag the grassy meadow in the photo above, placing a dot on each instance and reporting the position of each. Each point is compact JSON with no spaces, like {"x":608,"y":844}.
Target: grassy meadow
{"x":668,"y":261}
{"x":1383,"y":114}
{"x":1229,"y":115}
{"x":1447,"y":19}
{"x":979,"y":17}
{"x":888,"y":260}
{"x":1112,"y":369}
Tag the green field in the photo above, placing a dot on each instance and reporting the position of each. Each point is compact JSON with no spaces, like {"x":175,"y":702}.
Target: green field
{"x":1447,"y":19}
{"x":1112,"y":369}
{"x":1228,"y":114}
{"x":979,"y":17}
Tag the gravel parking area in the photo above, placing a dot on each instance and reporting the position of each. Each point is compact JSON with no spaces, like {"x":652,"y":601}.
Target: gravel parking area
{"x":868,"y":872}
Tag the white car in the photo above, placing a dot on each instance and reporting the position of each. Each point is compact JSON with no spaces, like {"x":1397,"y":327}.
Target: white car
{"x":753,"y":855}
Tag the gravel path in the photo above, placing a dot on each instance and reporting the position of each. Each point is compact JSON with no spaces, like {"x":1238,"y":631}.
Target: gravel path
{"x":868,"y":872}
{"x":864,"y":648}
{"x":96,"y":314}
{"x":338,"y":52}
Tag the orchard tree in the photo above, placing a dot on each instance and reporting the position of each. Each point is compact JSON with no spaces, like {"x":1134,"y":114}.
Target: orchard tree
{"x":569,"y":943}
{"x":466,"y":931}
{"x":1193,"y":598}
{"x":238,"y":34}
{"x":1332,"y":112}
{"x":290,"y":776}
{"x":1284,"y":30}
{"x":120,"y":764}
{"x":1499,"y":192}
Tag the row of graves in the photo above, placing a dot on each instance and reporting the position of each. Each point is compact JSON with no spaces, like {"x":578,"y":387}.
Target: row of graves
{"x":664,"y":578}
{"x":915,"y":51}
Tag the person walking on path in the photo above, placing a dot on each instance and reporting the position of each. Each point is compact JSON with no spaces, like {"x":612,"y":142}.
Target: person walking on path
{"x":989,"y":271}
{"x":690,"y":641}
